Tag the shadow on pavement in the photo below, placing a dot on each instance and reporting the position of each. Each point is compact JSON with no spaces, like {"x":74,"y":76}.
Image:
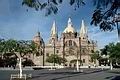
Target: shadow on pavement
{"x":116,"y":78}
{"x":115,"y":72}
{"x":109,"y":77}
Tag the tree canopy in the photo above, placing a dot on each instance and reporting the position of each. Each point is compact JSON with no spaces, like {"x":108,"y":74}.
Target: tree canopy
{"x":113,"y":50}
{"x":55,"y":59}
{"x":95,"y":56}
{"x":103,"y":15}
{"x":50,"y":6}
{"x":11,"y":49}
{"x":13,"y":46}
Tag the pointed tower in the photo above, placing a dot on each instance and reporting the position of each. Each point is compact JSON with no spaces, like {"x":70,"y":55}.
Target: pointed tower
{"x":54,"y":30}
{"x":70,"y":22}
{"x":83,"y":31}
{"x":69,"y":27}
{"x":53,"y":34}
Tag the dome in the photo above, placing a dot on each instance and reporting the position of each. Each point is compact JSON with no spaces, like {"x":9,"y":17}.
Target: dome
{"x":69,"y":27}
{"x":37,"y":38}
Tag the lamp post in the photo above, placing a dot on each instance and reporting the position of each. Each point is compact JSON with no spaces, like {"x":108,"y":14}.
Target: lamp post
{"x":43,"y":53}
{"x":88,"y":52}
{"x":63,"y":49}
{"x":77,"y":66}
{"x":80,"y":49}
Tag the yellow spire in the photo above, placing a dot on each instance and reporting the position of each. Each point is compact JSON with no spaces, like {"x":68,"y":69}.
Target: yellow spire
{"x":53,"y":29}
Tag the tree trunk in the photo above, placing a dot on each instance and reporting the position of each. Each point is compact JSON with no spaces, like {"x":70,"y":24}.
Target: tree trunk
{"x":111,"y":67}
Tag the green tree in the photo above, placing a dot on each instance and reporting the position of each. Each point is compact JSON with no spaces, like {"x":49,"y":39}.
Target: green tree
{"x":10,"y":46}
{"x":26,"y":47}
{"x":107,"y":15}
{"x":2,"y":46}
{"x":21,"y":48}
{"x":104,"y":13}
{"x":32,"y":48}
{"x":95,"y":56}
{"x":7,"y":55}
{"x":55,"y":59}
{"x":10,"y":59}
{"x":113,"y":50}
{"x":13,"y":49}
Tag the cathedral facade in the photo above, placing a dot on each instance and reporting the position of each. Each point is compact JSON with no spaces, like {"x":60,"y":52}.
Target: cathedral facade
{"x":71,"y":45}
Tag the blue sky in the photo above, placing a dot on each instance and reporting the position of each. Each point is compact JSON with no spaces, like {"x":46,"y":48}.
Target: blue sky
{"x":17,"y":23}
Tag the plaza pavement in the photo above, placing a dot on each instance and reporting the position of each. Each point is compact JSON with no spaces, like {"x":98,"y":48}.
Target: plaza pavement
{"x":66,"y":74}
{"x":71,"y":74}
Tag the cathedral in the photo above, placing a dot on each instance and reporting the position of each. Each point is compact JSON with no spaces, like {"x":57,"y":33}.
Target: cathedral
{"x":71,"y":45}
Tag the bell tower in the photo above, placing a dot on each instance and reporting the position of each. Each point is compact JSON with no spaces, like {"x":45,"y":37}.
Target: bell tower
{"x":53,"y":34}
{"x":83,"y":31}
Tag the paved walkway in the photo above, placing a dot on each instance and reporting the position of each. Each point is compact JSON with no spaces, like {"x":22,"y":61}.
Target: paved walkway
{"x":70,"y":74}
{"x":66,"y":74}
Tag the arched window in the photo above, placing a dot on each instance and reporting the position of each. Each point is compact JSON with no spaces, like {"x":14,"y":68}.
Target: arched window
{"x":74,"y":44}
{"x":57,"y":51}
{"x":83,"y":60}
{"x":70,"y":42}
{"x":47,"y":54}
